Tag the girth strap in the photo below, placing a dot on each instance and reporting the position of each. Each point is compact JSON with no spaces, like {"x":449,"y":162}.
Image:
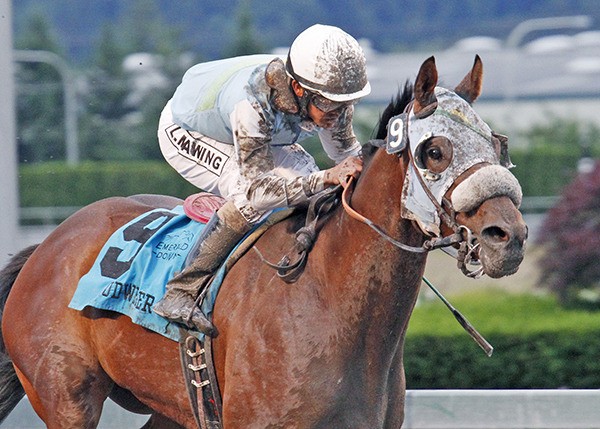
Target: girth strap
{"x":201,"y":381}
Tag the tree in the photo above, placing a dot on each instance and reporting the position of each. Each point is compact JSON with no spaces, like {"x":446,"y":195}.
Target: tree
{"x":571,"y":237}
{"x":137,"y":66}
{"x":150,"y":34}
{"x":245,"y":41}
{"x":106,"y":101}
{"x":39,"y":96}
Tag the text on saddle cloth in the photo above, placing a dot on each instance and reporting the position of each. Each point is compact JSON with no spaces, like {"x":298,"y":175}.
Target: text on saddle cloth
{"x":134,"y":265}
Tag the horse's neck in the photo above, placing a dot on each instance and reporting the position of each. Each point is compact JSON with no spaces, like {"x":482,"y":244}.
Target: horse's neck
{"x":375,"y":280}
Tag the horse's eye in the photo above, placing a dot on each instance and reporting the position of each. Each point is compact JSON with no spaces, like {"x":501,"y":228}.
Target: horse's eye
{"x":434,"y":153}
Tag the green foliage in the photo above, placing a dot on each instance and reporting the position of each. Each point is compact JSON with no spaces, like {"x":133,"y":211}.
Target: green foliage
{"x":245,"y":40}
{"x":118,"y":122}
{"x":39,"y":96}
{"x":118,"y":112}
{"x":57,"y":184}
{"x":542,"y":361}
{"x":544,"y":171}
{"x":40,"y":34}
{"x":122,"y":118}
{"x":389,"y":24}
{"x":549,"y":161}
{"x":108,"y":91}
{"x":537,"y":344}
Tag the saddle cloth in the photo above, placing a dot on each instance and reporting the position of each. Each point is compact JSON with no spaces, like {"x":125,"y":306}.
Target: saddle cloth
{"x":132,"y":269}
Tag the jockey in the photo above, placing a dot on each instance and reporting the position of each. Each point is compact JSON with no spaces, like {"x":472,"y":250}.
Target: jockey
{"x":232,"y":128}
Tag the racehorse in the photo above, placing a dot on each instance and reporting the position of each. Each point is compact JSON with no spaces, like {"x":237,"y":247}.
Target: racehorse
{"x":322,"y":352}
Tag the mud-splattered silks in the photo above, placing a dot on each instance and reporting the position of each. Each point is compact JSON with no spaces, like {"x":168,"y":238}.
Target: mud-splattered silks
{"x":229,"y":106}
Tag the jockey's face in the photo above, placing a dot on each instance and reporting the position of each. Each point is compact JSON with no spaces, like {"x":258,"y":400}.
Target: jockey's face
{"x":324,"y":119}
{"x":323,"y":112}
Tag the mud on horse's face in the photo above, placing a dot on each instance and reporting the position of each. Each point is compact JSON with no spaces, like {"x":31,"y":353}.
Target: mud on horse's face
{"x":456,"y":162}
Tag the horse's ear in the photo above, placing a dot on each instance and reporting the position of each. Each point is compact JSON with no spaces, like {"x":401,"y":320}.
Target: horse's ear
{"x":470,"y":87}
{"x":425,"y":101}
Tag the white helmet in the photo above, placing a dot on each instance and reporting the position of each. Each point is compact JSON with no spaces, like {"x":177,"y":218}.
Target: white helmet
{"x":330,"y":62}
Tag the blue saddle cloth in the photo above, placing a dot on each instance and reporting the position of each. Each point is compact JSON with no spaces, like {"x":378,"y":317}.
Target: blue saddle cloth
{"x":136,"y":262}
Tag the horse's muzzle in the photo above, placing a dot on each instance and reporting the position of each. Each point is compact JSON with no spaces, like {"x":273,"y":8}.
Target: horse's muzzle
{"x":502,"y":245}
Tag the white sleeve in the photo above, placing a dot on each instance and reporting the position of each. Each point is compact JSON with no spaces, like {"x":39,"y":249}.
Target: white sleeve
{"x":340,"y":142}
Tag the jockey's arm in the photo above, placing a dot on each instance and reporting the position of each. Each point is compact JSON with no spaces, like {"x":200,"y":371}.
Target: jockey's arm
{"x":267,"y":190}
{"x":264,"y":189}
{"x":342,"y":147}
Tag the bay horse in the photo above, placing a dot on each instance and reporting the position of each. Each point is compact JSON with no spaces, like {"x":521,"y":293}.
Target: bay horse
{"x":322,"y":352}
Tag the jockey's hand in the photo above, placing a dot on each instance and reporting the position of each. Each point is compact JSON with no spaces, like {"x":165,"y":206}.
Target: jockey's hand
{"x":339,"y":175}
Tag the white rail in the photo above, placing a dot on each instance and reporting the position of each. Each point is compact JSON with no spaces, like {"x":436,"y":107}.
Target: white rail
{"x":506,"y":409}
{"x":431,"y":409}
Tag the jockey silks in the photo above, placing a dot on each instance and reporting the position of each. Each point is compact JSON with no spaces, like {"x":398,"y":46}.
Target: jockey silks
{"x":222,"y":133}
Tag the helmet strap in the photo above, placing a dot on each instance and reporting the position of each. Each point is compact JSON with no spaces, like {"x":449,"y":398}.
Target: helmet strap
{"x":303,"y":103}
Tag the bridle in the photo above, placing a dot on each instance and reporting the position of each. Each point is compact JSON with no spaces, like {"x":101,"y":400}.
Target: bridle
{"x":460,"y":244}
{"x":462,"y":235}
{"x":289,"y":271}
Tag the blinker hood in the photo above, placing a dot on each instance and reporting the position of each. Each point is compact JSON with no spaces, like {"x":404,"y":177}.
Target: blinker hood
{"x":471,"y":139}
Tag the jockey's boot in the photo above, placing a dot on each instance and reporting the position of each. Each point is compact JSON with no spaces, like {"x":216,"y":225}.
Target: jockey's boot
{"x":219,"y":237}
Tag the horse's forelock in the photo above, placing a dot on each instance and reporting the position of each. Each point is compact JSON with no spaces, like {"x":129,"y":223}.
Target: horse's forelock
{"x":396,"y":106}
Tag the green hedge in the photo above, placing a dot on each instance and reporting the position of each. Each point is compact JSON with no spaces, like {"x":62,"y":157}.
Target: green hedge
{"x":544,"y":171}
{"x":537,"y":344}
{"x":56,"y":184}
{"x":542,"y":361}
{"x":541,"y":173}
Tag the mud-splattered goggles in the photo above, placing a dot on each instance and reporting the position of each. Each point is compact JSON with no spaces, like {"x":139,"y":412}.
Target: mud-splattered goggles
{"x":325,"y":105}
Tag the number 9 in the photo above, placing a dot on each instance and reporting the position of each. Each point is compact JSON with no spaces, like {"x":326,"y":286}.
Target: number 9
{"x":395,"y":132}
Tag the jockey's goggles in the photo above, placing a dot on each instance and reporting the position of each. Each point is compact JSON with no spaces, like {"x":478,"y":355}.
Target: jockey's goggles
{"x":326,"y":105}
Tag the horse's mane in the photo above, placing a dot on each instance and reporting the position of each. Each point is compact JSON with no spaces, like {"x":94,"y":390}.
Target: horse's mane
{"x":396,"y":106}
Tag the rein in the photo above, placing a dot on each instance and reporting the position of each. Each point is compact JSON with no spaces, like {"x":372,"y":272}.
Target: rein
{"x":290,"y":271}
{"x":434,"y":243}
{"x":462,"y":235}
{"x":319,"y":205}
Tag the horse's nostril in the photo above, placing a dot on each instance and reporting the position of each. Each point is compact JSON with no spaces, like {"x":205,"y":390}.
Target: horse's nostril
{"x":495,"y":234}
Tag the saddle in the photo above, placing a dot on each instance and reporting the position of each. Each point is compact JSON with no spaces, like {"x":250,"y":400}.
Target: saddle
{"x":203,"y":205}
